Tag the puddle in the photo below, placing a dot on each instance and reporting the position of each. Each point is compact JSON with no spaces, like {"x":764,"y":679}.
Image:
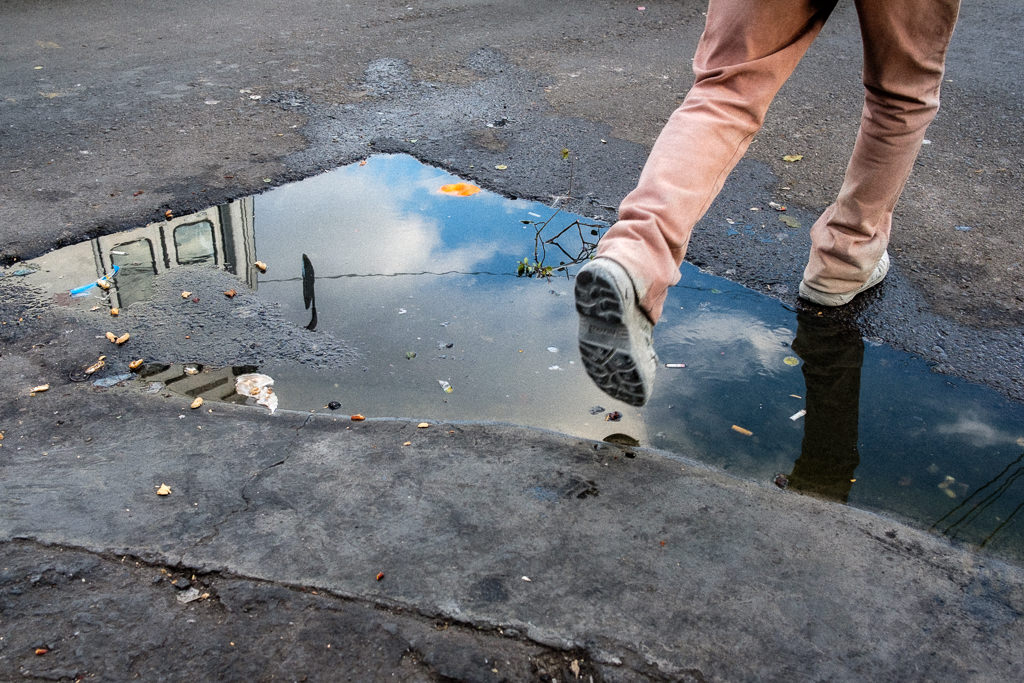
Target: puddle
{"x":423,"y":286}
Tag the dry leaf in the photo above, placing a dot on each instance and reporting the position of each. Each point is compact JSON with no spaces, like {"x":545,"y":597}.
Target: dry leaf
{"x":123,"y":338}
{"x":164,"y":490}
{"x":197,"y":403}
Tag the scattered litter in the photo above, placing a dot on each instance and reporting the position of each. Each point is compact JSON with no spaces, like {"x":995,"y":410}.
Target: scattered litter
{"x":115,"y":311}
{"x":613,"y":416}
{"x":797,"y":415}
{"x":261,"y":266}
{"x":675,"y":365}
{"x":112,"y":380}
{"x":197,"y":403}
{"x":527,"y":579}
{"x":123,"y":338}
{"x":781,"y":480}
{"x":185,"y":295}
{"x":423,"y":425}
{"x":409,"y":355}
{"x":41,"y":388}
{"x":459,"y":189}
{"x":741,"y":430}
{"x":963,"y":228}
{"x":163,"y":490}
{"x":380,"y":575}
{"x":946,"y":486}
{"x":574,"y":666}
{"x":191,"y":369}
{"x":445,"y":386}
{"x":795,"y":396}
{"x":535,"y":215}
{"x":136,"y":364}
{"x":84,"y":289}
{"x":357,"y":418}
{"x":554,"y":367}
{"x":402,"y":311}
{"x":187,"y":596}
{"x":596,"y":410}
{"x":259,"y":387}
{"x":553,"y":349}
{"x":111,"y":337}
{"x":777,"y":206}
{"x":792,"y":157}
{"x":791,"y":361}
{"x":168,"y":214}
{"x":501,"y":167}
{"x":230,"y":293}
{"x":96,"y":366}
{"x":333,"y":405}
{"x":155,"y":387}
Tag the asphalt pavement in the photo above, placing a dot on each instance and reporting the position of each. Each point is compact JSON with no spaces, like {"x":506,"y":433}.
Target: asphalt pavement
{"x":297,"y":546}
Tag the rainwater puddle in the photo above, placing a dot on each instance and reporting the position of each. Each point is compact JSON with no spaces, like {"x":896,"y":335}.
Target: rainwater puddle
{"x":424,"y":286}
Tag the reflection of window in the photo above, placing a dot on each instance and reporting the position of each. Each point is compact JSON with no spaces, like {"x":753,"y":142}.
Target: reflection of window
{"x":193,"y":243}
{"x":138,"y":266}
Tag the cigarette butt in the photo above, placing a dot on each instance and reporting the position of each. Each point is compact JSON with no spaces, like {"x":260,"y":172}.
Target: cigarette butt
{"x":675,"y":365}
{"x":797,"y":415}
{"x":741,"y":430}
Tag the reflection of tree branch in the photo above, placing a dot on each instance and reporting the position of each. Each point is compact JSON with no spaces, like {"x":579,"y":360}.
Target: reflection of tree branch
{"x":985,"y":502}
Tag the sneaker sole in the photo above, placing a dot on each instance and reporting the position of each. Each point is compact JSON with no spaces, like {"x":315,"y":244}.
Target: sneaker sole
{"x":602,"y":334}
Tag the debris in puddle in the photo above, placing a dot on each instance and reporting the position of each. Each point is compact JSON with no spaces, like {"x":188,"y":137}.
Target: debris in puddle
{"x":257,"y":386}
{"x":459,"y":189}
{"x":781,"y":480}
{"x":596,"y":410}
{"x":197,"y":403}
{"x":96,"y":366}
{"x":333,"y":405}
{"x":191,"y":368}
{"x":261,"y":266}
{"x":357,"y":418}
{"x":797,"y":415}
{"x":163,"y":490}
{"x":741,"y":430}
{"x":613,"y":416}
{"x":791,"y":361}
{"x":112,"y":380}
{"x":946,"y":486}
{"x":445,"y":386}
{"x":105,"y":280}
{"x":675,"y":365}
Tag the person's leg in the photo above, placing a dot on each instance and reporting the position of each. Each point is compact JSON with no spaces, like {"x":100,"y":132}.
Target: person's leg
{"x":904,"y":55}
{"x":748,"y":50}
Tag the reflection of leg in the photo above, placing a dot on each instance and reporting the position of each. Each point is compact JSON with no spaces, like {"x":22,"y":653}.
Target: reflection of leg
{"x":904,"y":53}
{"x":832,"y":356}
{"x":748,"y":49}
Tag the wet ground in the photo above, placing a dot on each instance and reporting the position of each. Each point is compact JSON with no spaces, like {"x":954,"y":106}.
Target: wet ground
{"x":396,"y":289}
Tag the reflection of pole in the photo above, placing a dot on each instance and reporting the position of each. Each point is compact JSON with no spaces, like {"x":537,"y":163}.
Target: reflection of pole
{"x":978,"y":507}
{"x":308,"y":291}
{"x":833,"y":355}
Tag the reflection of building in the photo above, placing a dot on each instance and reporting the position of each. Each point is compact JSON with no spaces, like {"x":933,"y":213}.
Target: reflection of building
{"x":221,"y":236}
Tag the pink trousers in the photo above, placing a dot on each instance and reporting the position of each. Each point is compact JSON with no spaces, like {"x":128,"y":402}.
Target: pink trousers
{"x":747,"y":51}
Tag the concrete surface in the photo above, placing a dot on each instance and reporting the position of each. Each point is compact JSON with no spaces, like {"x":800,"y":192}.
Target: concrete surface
{"x":113,"y":113}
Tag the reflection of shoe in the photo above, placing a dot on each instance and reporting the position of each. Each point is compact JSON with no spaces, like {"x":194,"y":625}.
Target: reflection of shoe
{"x":825,"y":299}
{"x":615,"y":335}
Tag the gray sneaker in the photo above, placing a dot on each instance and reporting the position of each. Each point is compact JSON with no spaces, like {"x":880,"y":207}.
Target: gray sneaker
{"x":615,"y":336}
{"x":825,"y":299}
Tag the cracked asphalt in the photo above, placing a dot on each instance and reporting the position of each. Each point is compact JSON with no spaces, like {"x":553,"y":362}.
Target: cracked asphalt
{"x":505,"y":553}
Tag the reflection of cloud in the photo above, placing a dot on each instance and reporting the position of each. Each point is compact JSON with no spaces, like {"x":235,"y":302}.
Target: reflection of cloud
{"x":751,"y":346}
{"x":978,"y":433}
